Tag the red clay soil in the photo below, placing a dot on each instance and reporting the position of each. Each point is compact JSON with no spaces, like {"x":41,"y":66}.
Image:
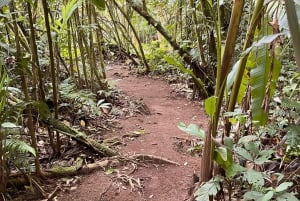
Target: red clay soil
{"x":160,"y":182}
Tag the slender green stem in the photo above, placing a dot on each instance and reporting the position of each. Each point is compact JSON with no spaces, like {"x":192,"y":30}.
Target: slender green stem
{"x":294,"y":28}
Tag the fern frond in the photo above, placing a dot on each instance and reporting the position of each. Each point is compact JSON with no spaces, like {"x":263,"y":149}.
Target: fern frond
{"x":293,"y":135}
{"x":291,"y":104}
{"x":4,"y":3}
{"x":69,"y":93}
{"x":13,"y":113}
{"x":13,"y":146}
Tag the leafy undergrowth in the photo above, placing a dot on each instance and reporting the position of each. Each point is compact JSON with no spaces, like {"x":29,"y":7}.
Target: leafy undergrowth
{"x":258,"y":162}
{"x":96,"y":115}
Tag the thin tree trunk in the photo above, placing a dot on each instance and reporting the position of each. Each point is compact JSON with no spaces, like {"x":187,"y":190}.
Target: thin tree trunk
{"x":52,"y":67}
{"x":34,"y":55}
{"x":81,"y":48}
{"x":259,"y":4}
{"x":135,"y":35}
{"x":197,"y":30}
{"x":20,"y":70}
{"x":74,"y":34}
{"x":71,"y":67}
{"x":99,"y":37}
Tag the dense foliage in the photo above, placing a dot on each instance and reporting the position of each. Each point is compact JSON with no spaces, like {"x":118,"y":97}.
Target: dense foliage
{"x":241,"y":57}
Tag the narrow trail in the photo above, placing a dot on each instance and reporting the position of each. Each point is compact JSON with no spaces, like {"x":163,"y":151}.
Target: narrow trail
{"x":160,"y":182}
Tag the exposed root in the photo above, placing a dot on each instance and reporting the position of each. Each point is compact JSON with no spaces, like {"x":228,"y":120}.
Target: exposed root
{"x":153,"y":158}
{"x":134,"y":183}
{"x":112,"y":162}
{"x":105,"y":191}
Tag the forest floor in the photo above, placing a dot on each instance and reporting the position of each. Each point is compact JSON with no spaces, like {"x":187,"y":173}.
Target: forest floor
{"x":159,"y":137}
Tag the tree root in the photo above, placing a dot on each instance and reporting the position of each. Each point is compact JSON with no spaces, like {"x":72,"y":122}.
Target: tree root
{"x":152,"y":158}
{"x":80,"y":168}
{"x":134,"y":183}
{"x":105,"y":191}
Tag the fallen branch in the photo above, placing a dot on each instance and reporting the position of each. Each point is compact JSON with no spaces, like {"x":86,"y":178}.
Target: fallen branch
{"x":59,"y":171}
{"x":80,"y":137}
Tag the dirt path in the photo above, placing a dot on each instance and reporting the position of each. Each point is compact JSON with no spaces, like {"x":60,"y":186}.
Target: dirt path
{"x":160,"y":182}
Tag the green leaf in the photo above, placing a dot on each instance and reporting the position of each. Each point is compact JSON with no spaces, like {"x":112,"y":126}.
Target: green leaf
{"x":268,"y":196}
{"x":283,"y":186}
{"x":264,"y":156}
{"x":209,"y":188}
{"x":8,"y":125}
{"x":244,"y":153}
{"x":68,"y":10}
{"x":192,"y":129}
{"x":291,"y":104}
{"x":246,"y":139}
{"x":109,"y":171}
{"x":13,"y":113}
{"x":276,"y":69}
{"x":233,"y":170}
{"x":232,"y":75}
{"x":174,"y":62}
{"x":253,"y":195}
{"x":18,"y":146}
{"x":255,"y":178}
{"x":263,"y":41}
{"x":244,"y":86}
{"x":222,"y":151}
{"x":7,"y":47}
{"x":287,"y":196}
{"x":3,"y":91}
{"x":228,"y":142}
{"x":259,"y":81}
{"x":100,"y":4}
{"x":43,"y":108}
{"x":210,"y":106}
{"x":252,"y":147}
{"x":293,"y":135}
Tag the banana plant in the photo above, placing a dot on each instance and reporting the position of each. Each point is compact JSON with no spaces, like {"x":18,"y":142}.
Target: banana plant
{"x":258,"y":67}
